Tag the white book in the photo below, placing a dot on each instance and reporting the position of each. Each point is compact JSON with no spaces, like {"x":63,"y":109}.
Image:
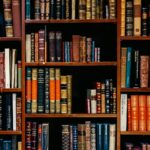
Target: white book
{"x":73,"y":9}
{"x":28,"y":47}
{"x":7,"y":68}
{"x":14,"y":110}
{"x":13,"y":68}
{"x":123,"y":112}
{"x":112,"y":136}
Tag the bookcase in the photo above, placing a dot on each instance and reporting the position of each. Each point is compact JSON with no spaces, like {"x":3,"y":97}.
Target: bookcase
{"x":76,"y":77}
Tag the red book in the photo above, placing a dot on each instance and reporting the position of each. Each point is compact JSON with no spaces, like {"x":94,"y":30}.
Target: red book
{"x":142,"y":112}
{"x":16,"y":18}
{"x":129,"y":114}
{"x":134,"y":112}
{"x":1,"y":69}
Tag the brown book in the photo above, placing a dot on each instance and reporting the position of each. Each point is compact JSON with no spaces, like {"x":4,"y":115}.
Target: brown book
{"x":142,"y":112}
{"x":75,"y":47}
{"x":16,"y":15}
{"x":135,"y":112}
{"x":144,"y":70}
{"x":36,"y":41}
{"x":81,"y":136}
{"x":123,"y":13}
{"x":137,"y":17}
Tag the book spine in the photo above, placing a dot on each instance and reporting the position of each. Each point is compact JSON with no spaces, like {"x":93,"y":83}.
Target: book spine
{"x":42,"y":9}
{"x":103,"y":98}
{"x":81,"y":136}
{"x":137,"y":17}
{"x":2,"y":56}
{"x":73,"y":9}
{"x":106,"y":136}
{"x":89,"y":49}
{"x":82,"y":9}
{"x":34,"y":90}
{"x":148,"y":113}
{"x":47,"y":98}
{"x":58,"y":9}
{"x":148,"y":19}
{"x":129,"y":114}
{"x":19,"y":74}
{"x":45,"y":136}
{"x":65,"y":137}
{"x":67,"y":10}
{"x":112,"y":9}
{"x":107,"y":95}
{"x":52,"y":9}
{"x":40,"y":102}
{"x":63,"y":9}
{"x":93,"y":136}
{"x":88,"y":135}
{"x":28,"y":9}
{"x":32,"y":47}
{"x":144,"y":21}
{"x":28,"y":48}
{"x":93,"y":101}
{"x":114,"y":97}
{"x":28,"y":90}
{"x":112,"y":136}
{"x":16,"y":18}
{"x":37,"y":9}
{"x":93,"y":9}
{"x":36,"y":46}
{"x":69,"y":93}
{"x":14,"y":142}
{"x":98,"y":97}
{"x":1,"y":112}
{"x":28,"y":135}
{"x":101,"y":9}
{"x":58,"y":46}
{"x":52,"y":46}
{"x":88,"y":9}
{"x":19,"y":113}
{"x":123,"y":14}
{"x":39,"y":145}
{"x":14,"y":119}
{"x":47,"y":9}
{"x":75,"y":137}
{"x":99,"y":136}
{"x":34,"y":135}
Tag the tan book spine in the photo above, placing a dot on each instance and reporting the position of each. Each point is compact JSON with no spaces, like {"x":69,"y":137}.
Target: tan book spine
{"x":88,"y":9}
{"x":47,"y":9}
{"x":103,"y":99}
{"x":19,"y":145}
{"x":69,"y":93}
{"x":73,"y":12}
{"x":137,"y":17}
{"x":123,"y":14}
{"x":82,"y":9}
{"x":28,"y":48}
{"x":93,"y":6}
{"x":88,"y":135}
{"x":123,"y":66}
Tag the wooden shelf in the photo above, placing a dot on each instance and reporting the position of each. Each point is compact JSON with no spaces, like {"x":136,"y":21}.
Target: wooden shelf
{"x":10,"y":90}
{"x":134,"y":133}
{"x":71,"y":115}
{"x":10,"y":39}
{"x":134,"y":38}
{"x":135,"y":90}
{"x":32,"y":21}
{"x":110,"y":63}
{"x":10,"y":132}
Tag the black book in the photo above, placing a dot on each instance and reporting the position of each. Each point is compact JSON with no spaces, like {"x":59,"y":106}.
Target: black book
{"x":2,"y":26}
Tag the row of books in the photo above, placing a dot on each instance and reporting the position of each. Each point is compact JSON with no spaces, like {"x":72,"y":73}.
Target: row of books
{"x":71,"y":9}
{"x":10,"y":19}
{"x":102,"y":99}
{"x":135,"y":112}
{"x":37,"y":136}
{"x":141,"y":146}
{"x":10,"y":69}
{"x":10,"y":112}
{"x":48,"y":91}
{"x":135,"y":18}
{"x":134,"y":68}
{"x":94,"y":136}
{"x":40,"y":48}
{"x":13,"y":144}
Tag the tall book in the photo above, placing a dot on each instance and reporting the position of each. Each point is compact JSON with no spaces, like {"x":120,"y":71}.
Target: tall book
{"x":112,"y":136}
{"x":137,"y":17}
{"x":16,"y":18}
{"x":123,"y":14}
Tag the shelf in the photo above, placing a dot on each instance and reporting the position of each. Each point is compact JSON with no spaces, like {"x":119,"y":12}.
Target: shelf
{"x":114,"y":21}
{"x":135,"y":90}
{"x":135,"y":133}
{"x":134,"y":38}
{"x":110,"y":63}
{"x":10,"y":90}
{"x":71,"y":116}
{"x":10,"y":39}
{"x":10,"y":132}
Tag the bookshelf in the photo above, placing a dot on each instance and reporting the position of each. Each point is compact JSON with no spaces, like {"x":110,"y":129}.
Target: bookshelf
{"x":107,"y":34}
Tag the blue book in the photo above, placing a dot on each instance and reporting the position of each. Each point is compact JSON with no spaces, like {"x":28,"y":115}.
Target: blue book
{"x":106,"y":136}
{"x":93,"y":51}
{"x":1,"y":144}
{"x":75,"y":137}
{"x":128,"y":67}
{"x":99,"y":136}
{"x":28,"y":9}
{"x":63,"y":9}
{"x":7,"y":145}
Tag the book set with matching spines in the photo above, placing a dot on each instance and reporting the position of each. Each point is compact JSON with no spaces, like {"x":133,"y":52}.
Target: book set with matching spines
{"x":10,"y":18}
{"x":48,"y":91}
{"x":43,"y":46}
{"x":135,"y":68}
{"x":102,"y":99}
{"x":135,"y":18}
{"x":135,"y":112}
{"x":12,"y":143}
{"x":70,"y":9}
{"x":89,"y":135}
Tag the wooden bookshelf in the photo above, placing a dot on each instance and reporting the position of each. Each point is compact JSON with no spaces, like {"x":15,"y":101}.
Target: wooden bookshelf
{"x":16,"y":90}
{"x":9,"y":132}
{"x":71,"y":116}
{"x":135,"y":38}
{"x":134,"y":133}
{"x":6,"y":39}
{"x":135,"y":90}
{"x":64,"y":21}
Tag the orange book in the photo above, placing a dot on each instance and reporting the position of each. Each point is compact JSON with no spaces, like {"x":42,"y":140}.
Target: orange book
{"x":129,"y":114}
{"x":52,"y":90}
{"x":148,"y":112}
{"x":57,"y":75}
{"x":142,"y":112}
{"x":34,"y":90}
{"x":134,"y":112}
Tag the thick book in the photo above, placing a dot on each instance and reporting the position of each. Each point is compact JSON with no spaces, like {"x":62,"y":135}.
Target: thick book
{"x":16,"y":15}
